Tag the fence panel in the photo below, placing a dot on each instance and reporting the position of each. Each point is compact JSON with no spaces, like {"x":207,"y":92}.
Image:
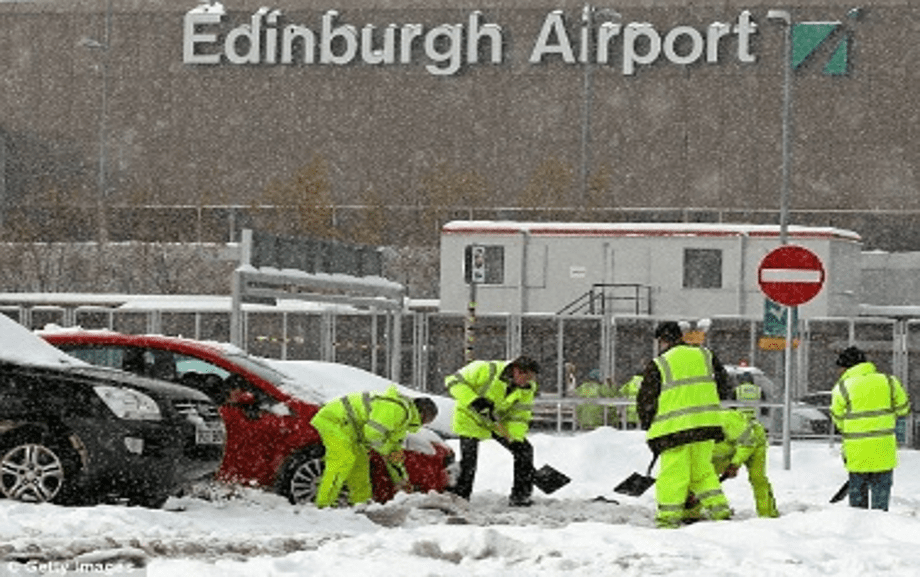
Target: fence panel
{"x":445,"y":349}
{"x":581,"y":347}
{"x":91,"y":318}
{"x":130,"y":322}
{"x":215,"y":327}
{"x":265,"y":334}
{"x":634,"y":346}
{"x":179,"y":324}
{"x":304,"y":331}
{"x":540,"y":340}
{"x":826,"y":338}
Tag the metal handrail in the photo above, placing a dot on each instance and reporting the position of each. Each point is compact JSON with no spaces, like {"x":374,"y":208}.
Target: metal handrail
{"x":596,"y":300}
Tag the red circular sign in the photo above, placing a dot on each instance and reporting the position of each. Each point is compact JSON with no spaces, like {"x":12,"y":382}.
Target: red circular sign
{"x":791,"y":275}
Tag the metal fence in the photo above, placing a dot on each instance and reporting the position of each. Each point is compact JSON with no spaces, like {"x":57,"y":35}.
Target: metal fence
{"x":569,"y":348}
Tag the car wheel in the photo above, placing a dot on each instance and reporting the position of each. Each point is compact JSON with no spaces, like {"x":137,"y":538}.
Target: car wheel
{"x":300,"y":478}
{"x":36,"y":471}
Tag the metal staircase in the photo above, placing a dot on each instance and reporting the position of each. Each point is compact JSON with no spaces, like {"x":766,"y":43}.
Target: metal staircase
{"x":604,"y":298}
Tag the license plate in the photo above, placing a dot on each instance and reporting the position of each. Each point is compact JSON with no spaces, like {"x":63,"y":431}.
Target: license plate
{"x":209,"y":436}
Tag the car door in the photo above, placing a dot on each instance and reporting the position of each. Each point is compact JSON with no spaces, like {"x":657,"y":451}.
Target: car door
{"x":255,"y":421}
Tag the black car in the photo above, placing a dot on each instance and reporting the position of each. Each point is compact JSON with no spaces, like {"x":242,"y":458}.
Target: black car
{"x":79,"y":434}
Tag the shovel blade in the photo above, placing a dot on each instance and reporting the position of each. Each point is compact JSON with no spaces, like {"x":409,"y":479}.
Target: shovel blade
{"x":549,"y":480}
{"x":841,"y":492}
{"x":635,"y":485}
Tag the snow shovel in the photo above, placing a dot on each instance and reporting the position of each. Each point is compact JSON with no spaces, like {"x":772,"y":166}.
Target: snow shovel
{"x":636,"y":484}
{"x":549,"y":480}
{"x":841,"y":492}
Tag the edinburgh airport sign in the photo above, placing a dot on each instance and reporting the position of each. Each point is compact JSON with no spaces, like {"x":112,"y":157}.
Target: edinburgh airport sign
{"x":269,"y":39}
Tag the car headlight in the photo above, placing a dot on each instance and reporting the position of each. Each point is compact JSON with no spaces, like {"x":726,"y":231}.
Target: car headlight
{"x":128,"y":404}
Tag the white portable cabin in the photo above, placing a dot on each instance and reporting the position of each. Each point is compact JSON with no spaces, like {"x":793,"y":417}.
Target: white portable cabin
{"x":687,"y":270}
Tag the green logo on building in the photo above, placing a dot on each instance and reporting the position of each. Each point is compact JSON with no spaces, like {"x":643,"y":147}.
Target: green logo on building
{"x":811,"y":40}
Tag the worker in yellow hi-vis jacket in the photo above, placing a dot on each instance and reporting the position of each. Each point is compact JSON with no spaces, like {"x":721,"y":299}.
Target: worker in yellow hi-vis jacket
{"x":745,"y":443}
{"x":678,"y":406}
{"x":495,"y":401}
{"x":352,"y":425}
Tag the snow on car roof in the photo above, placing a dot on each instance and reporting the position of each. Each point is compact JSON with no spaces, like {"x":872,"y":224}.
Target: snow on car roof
{"x":19,"y":345}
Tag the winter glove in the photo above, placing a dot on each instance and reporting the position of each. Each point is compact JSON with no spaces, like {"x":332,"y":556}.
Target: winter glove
{"x":484,"y":407}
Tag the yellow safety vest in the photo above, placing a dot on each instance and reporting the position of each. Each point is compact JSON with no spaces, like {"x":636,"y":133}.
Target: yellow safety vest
{"x":865,"y":405}
{"x":379,"y":421}
{"x":482,"y":379}
{"x":748,"y":393}
{"x":689,"y":397}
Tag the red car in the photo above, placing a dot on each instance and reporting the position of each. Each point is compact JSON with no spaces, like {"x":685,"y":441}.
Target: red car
{"x":270,"y":442}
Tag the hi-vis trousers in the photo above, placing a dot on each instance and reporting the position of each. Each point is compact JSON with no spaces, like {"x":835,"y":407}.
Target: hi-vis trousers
{"x":757,"y":475}
{"x":347,"y":464}
{"x":684,"y":469}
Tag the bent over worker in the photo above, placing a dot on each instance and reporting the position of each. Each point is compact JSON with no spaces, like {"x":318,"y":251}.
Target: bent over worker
{"x":865,"y":406}
{"x":678,"y":406}
{"x":745,"y":444}
{"x":352,"y":425}
{"x":495,"y":401}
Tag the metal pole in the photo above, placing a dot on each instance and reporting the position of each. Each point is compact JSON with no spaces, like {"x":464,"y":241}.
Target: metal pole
{"x":103,"y":231}
{"x":469,"y":352}
{"x":587,"y":17}
{"x":786,"y":17}
{"x":787,"y":394}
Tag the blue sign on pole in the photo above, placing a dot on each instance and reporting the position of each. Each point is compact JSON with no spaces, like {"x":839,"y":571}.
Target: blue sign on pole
{"x":774,"y":318}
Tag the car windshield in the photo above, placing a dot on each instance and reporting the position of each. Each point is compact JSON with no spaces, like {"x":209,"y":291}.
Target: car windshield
{"x":257,"y":367}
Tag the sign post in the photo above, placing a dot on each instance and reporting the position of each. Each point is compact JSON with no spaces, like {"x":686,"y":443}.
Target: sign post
{"x":790,"y":275}
{"x":475,"y":263}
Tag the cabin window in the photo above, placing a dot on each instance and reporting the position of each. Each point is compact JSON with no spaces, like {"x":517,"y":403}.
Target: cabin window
{"x":702,"y":268}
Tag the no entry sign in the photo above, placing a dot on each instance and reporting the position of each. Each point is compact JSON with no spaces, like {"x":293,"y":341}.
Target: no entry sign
{"x":790,"y":275}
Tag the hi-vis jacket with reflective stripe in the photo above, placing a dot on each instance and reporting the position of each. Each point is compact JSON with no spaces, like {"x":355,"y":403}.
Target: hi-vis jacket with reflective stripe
{"x":749,"y":394}
{"x":743,"y":434}
{"x":687,"y":407}
{"x":379,"y":421}
{"x":513,"y":405}
{"x":865,"y":405}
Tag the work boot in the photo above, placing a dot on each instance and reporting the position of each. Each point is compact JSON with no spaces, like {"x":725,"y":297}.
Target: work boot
{"x":519,"y":501}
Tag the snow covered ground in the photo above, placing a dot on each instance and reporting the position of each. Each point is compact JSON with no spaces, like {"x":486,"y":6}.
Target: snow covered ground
{"x":239,"y":531}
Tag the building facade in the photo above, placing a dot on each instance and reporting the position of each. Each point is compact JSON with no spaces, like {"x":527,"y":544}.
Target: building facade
{"x":114,"y":106}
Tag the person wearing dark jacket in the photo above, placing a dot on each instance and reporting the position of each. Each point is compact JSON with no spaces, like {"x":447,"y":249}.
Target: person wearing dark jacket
{"x":678,"y":406}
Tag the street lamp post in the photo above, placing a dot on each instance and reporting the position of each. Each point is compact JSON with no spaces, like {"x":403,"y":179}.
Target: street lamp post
{"x":786,"y":18}
{"x":102,"y":193}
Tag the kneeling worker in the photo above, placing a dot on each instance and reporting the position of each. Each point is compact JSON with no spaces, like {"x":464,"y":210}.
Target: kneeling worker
{"x":352,"y":425}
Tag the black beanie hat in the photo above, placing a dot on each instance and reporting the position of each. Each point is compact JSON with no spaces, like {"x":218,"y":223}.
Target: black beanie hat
{"x":669,"y":331}
{"x":851,"y":356}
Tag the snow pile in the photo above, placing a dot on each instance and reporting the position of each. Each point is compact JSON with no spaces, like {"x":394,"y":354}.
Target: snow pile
{"x":218,"y":530}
